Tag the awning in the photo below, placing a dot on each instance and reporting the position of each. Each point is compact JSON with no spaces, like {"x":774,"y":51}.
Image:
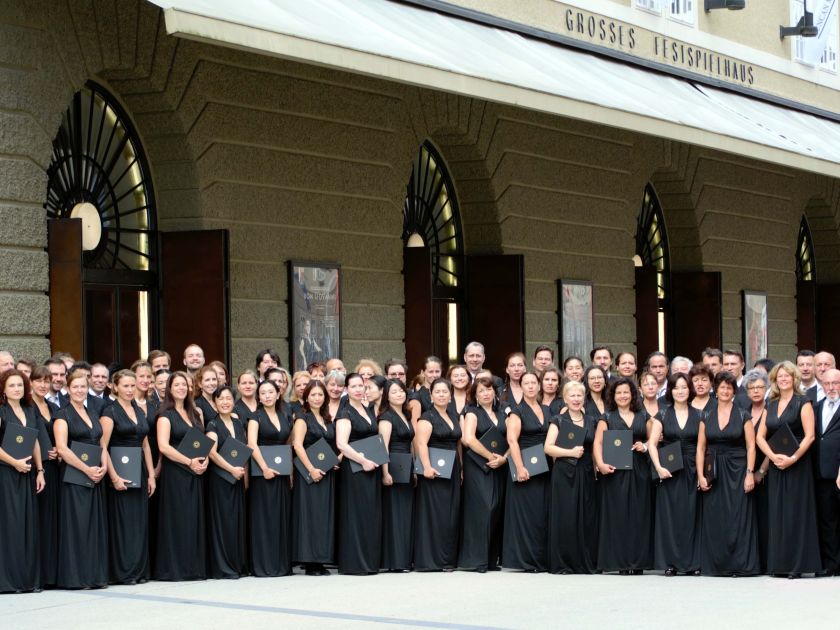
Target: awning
{"x":421,"y":47}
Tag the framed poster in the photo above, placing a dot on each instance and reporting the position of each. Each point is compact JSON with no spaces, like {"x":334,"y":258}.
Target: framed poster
{"x":754,"y":319}
{"x":576,"y":319}
{"x":314,"y":313}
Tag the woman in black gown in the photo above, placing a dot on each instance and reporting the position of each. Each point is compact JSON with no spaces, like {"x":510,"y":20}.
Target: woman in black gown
{"x":525,"y":541}
{"x":701,"y":381}
{"x":757,"y":384}
{"x":20,"y":479}
{"x":313,"y":507}
{"x":226,"y":555}
{"x":83,"y":529}
{"x":359,"y":494}
{"x":793,"y":543}
{"x":597,"y":395}
{"x":460,"y":379}
{"x":420,"y":400}
{"x":397,"y":498}
{"x":48,"y":499}
{"x":729,"y":544}
{"x":438,"y":509}
{"x":124,"y":425}
{"x":181,"y":548}
{"x":515,"y":368}
{"x":485,"y":479}
{"x":625,"y":540}
{"x":247,"y":405}
{"x":573,"y":511}
{"x":206,"y":382}
{"x":269,"y":496}
{"x":550,"y":389}
{"x":573,"y":369}
{"x":676,"y":538}
{"x":144,"y":379}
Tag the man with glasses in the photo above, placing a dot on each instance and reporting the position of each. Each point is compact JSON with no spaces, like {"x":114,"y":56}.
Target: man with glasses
{"x":823,"y":361}
{"x":396,"y":369}
{"x":827,"y":469}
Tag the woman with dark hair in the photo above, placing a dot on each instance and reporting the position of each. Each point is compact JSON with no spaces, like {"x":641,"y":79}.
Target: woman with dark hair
{"x":515,"y":368}
{"x":625,"y":537}
{"x":573,"y":511}
{"x":269,"y":496}
{"x":397,"y":498}
{"x":459,"y":378}
{"x":205,"y":384}
{"x":701,"y":381}
{"x":359,"y":495}
{"x":144,"y":379}
{"x":595,"y":380}
{"x":573,"y":369}
{"x":266,"y":359}
{"x":20,"y":480}
{"x":526,"y":499}
{"x":124,"y":425}
{"x":225,"y":501}
{"x":420,"y":400}
{"x":374,"y":388}
{"x":727,"y":441}
{"x":626,"y":365}
{"x":756,"y":384}
{"x":438,"y":500}
{"x":485,"y":479}
{"x":83,"y":528}
{"x":181,"y":548}
{"x":247,"y":405}
{"x":793,"y":542}
{"x":676,"y":540}
{"x":222,"y":374}
{"x":550,"y":387}
{"x":313,"y":513}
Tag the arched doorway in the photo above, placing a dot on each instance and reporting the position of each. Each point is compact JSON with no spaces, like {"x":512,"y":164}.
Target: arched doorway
{"x":99,"y":174}
{"x":806,"y":288}
{"x":653,"y":277}
{"x":433,"y":261}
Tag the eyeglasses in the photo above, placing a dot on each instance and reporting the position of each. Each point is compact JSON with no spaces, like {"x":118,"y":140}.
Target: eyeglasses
{"x":832,"y":384}
{"x":755,"y":388}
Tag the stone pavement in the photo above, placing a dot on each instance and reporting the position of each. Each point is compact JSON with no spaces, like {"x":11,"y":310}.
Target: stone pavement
{"x":438,"y":600}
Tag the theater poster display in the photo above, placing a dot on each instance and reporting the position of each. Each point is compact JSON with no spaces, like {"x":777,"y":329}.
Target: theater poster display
{"x":314,"y":312}
{"x":576,"y":318}
{"x":755,"y":326}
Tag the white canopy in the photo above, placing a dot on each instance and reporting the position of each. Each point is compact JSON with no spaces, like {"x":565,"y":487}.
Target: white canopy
{"x":417,"y":46}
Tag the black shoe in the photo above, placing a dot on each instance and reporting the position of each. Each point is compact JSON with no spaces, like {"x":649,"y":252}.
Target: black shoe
{"x":670,"y":572}
{"x":695,"y":573}
{"x":794,"y":576}
{"x":624,"y":572}
{"x":638,"y":572}
{"x":481,"y":570}
{"x":323,"y":571}
{"x":494,"y":568}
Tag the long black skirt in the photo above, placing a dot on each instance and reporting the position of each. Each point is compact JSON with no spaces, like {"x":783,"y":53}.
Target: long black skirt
{"x":181,"y":548}
{"x":226,"y":555}
{"x":128,"y":533}
{"x":20,"y":563}
{"x":397,"y":526}
{"x":676,"y":539}
{"x":48,"y":512}
{"x":525,"y":538}
{"x":82,"y":537}
{"x":270,"y":526}
{"x":573,"y":518}
{"x":359,"y":521}
{"x":437,"y":519}
{"x":313,"y":521}
{"x":484,"y":503}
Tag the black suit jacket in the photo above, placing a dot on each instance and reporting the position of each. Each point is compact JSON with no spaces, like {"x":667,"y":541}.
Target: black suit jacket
{"x":827,"y":445}
{"x":742,"y":398}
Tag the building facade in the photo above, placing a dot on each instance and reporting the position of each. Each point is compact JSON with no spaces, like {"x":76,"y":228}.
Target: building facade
{"x":302,"y":161}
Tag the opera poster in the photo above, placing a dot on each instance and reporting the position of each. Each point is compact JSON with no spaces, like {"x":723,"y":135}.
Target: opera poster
{"x":576,"y":318}
{"x":314,"y":313}
{"x":755,"y":327}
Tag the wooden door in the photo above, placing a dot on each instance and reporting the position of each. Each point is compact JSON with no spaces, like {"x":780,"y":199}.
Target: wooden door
{"x":419,"y":323}
{"x":647,"y":311}
{"x":66,"y":289}
{"x":696,"y":314}
{"x":806,"y":315}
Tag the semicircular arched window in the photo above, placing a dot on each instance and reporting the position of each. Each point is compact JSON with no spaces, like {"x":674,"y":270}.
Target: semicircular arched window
{"x":805,"y":268}
{"x":99,"y":173}
{"x":652,"y":244}
{"x":431,"y":213}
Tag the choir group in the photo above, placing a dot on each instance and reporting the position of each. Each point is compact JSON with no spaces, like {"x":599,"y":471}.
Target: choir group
{"x":124,"y":475}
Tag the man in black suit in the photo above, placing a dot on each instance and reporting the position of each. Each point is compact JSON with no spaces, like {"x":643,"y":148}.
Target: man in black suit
{"x":805,"y":364}
{"x":58,"y":379}
{"x":827,"y":472}
{"x":733,"y":362}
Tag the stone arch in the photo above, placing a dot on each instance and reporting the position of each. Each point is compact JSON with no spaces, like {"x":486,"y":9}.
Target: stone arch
{"x":825,"y":237}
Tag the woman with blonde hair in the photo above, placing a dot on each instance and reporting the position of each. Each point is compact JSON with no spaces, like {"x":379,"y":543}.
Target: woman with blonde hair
{"x":367,"y":368}
{"x":300,"y":380}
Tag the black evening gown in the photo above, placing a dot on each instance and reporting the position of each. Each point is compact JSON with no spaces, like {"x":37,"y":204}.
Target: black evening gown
{"x":226,"y":553}
{"x":313,"y":505}
{"x":729,"y":543}
{"x":438,"y":509}
{"x":625,"y":540}
{"x":207,"y":411}
{"x":359,"y":505}
{"x":82,"y":528}
{"x":398,"y":502}
{"x":48,"y":505}
{"x":181,"y":551}
{"x":676,"y":539}
{"x":20,"y":561}
{"x":152,"y":407}
{"x":591,"y":409}
{"x":243,"y":411}
{"x":424,"y":397}
{"x":793,"y":541}
{"x":483,"y":502}
{"x":128,"y":510}
{"x":270,"y":506}
{"x":761,"y":507}
{"x":573,"y":510}
{"x":525,"y":540}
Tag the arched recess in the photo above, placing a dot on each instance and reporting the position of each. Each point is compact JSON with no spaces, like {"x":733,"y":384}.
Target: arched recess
{"x":653,"y":276}
{"x":806,"y":288}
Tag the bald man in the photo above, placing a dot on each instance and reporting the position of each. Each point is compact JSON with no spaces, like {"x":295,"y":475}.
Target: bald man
{"x":827,"y":471}
{"x":7,"y":361}
{"x":823,"y":361}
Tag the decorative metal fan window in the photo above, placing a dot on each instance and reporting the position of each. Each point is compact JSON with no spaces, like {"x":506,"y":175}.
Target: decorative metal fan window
{"x":652,"y":245}
{"x":431,"y":213}
{"x":99,"y":173}
{"x":805,"y":253}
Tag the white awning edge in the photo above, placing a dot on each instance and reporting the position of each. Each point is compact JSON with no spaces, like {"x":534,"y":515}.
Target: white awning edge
{"x":592,"y":89}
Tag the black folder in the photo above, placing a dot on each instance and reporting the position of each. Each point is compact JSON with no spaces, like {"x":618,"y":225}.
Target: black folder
{"x":783,"y":441}
{"x":670,"y":457}
{"x":441,"y":459}
{"x":128,"y":462}
{"x":321,"y":456}
{"x":91,"y":455}
{"x":19,"y":441}
{"x":195,"y":444}
{"x":570,"y":435}
{"x":493,"y":441}
{"x":277,"y":457}
{"x":400,"y":467}
{"x":618,"y":449}
{"x":235,"y":453}
{"x":372,"y":448}
{"x":533,"y":458}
